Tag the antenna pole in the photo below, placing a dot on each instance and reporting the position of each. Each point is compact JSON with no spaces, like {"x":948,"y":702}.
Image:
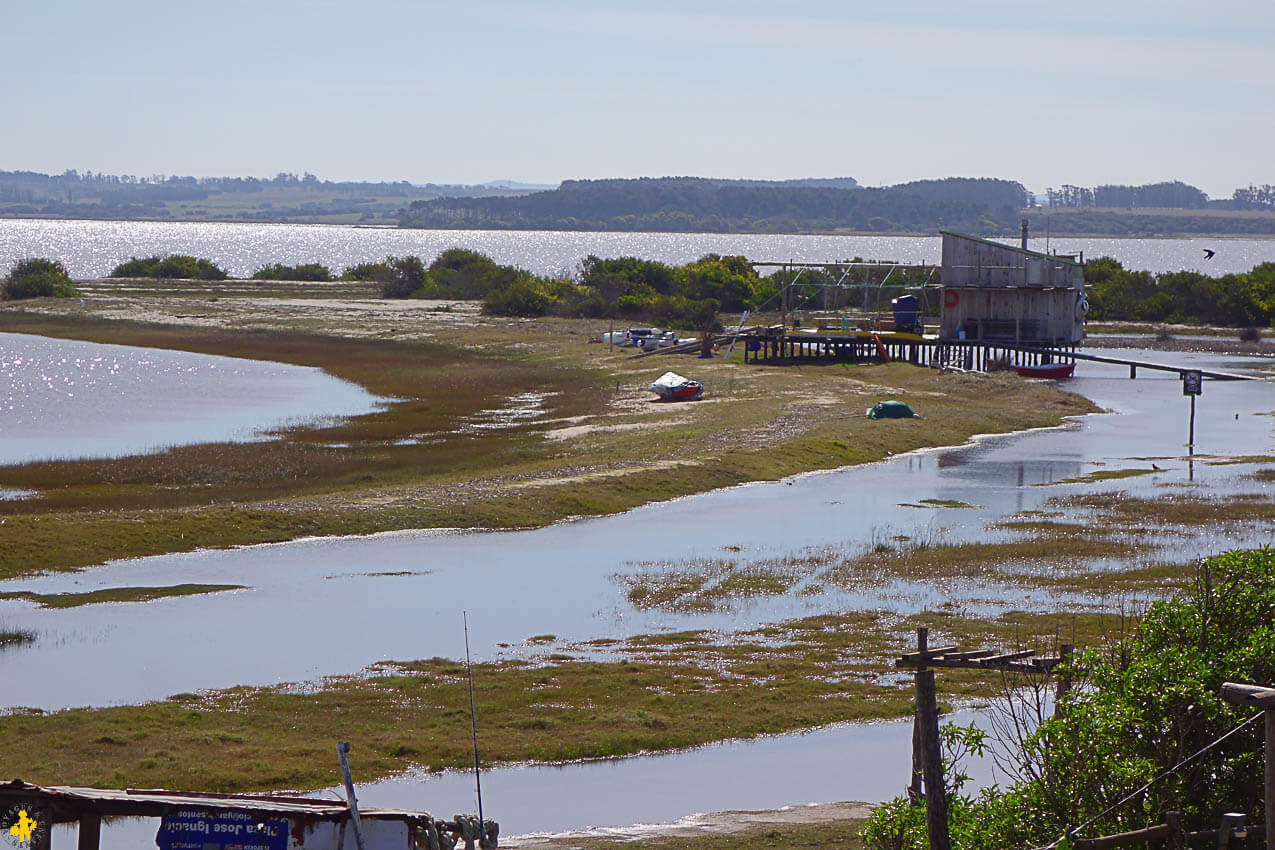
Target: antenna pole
{"x":473,"y":728}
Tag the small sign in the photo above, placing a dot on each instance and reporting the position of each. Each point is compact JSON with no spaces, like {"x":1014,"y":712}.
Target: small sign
{"x":196,"y":830}
{"x":1192,"y":382}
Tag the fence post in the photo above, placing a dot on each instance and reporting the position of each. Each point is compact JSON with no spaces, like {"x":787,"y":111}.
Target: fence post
{"x":1263,"y":698}
{"x":1177,"y":835}
{"x":927,"y":708}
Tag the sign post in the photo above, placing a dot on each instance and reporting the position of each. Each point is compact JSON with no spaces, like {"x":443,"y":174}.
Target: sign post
{"x":1192,"y":385}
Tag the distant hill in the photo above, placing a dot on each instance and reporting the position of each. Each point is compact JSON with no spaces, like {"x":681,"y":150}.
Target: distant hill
{"x":284,"y":197}
{"x":707,"y":204}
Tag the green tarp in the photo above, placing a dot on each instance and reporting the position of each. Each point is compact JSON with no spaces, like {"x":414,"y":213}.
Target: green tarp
{"x":891,"y":410}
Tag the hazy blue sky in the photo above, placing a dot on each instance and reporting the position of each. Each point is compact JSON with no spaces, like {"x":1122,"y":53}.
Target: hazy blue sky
{"x":1068,"y":92}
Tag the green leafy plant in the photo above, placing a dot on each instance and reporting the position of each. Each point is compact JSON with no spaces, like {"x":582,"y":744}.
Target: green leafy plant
{"x":35,"y":278}
{"x":1141,"y":706}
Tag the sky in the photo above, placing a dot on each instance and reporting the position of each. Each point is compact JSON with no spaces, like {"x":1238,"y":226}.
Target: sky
{"x":1084,"y":92}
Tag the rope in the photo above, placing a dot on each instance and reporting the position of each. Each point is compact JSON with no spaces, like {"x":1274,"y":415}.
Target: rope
{"x":1071,"y":833}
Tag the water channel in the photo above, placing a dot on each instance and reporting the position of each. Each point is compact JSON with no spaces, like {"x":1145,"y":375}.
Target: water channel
{"x":392,"y":597}
{"x":336,"y":605}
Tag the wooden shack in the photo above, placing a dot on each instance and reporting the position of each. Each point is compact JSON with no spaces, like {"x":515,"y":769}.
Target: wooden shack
{"x":206,"y":821}
{"x":1002,"y":293}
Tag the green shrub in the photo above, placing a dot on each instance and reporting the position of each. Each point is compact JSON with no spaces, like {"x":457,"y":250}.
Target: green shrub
{"x":36,"y":278}
{"x":366,"y":271}
{"x":1138,"y":708}
{"x":278,"y":271}
{"x":174,"y":266}
{"x":402,"y":277}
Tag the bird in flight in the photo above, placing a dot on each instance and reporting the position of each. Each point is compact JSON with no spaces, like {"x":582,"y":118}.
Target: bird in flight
{"x":1208,"y":255}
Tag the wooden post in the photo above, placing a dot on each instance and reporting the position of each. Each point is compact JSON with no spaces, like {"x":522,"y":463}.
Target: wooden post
{"x":928,"y":715}
{"x":1263,"y":698}
{"x":1064,"y":680}
{"x":1177,"y":835}
{"x":89,"y":833}
{"x":343,"y":747}
{"x":1270,"y":777}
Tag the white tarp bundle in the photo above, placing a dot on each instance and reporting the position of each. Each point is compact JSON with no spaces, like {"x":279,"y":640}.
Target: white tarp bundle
{"x":672,"y":385}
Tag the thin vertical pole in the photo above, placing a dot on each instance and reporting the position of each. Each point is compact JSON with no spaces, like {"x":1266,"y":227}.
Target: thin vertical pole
{"x":343,"y":747}
{"x":1190,"y":440}
{"x":1270,"y":776}
{"x":473,"y":726}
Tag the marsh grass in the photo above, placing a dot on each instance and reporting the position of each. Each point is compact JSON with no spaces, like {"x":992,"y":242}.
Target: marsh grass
{"x":703,"y":585}
{"x":662,"y":692}
{"x":1100,"y":475}
{"x":15,"y":637}
{"x":417,"y":464}
{"x":785,"y":831}
{"x":1120,"y":510}
{"x":116,"y":594}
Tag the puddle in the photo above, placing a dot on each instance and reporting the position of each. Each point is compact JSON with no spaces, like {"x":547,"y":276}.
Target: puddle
{"x":309,"y":603}
{"x":71,"y":399}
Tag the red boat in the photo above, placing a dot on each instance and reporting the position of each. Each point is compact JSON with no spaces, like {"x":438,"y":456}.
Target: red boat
{"x":1046,"y":370}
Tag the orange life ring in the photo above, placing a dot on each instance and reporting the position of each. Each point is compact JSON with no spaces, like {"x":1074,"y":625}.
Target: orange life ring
{"x":950,"y":298}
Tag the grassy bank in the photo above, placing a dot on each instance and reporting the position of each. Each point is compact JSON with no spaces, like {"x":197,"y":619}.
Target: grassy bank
{"x":661,"y":692}
{"x":438,"y":455}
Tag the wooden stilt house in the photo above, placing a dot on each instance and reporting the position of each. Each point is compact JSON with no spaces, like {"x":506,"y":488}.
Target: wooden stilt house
{"x":1002,"y":293}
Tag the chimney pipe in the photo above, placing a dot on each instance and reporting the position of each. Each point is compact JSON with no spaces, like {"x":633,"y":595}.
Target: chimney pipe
{"x":1024,"y":234}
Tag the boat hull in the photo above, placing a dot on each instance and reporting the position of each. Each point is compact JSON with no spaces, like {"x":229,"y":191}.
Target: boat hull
{"x":1046,"y":370}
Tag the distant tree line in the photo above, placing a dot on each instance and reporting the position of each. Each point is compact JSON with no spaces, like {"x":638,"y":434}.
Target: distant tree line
{"x":1234,"y":300}
{"x":285,"y":196}
{"x":699,"y":204}
{"x":972,"y":205}
{"x":1167,"y":195}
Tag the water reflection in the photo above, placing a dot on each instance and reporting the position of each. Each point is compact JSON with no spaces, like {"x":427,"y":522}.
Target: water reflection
{"x":71,"y":399}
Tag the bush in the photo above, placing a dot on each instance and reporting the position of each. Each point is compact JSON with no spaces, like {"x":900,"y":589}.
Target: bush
{"x":366,"y":271}
{"x":38,"y":278}
{"x":1251,"y":334}
{"x":1139,"y":708}
{"x":277,"y":271}
{"x":175,"y":266}
{"x":401,"y":277}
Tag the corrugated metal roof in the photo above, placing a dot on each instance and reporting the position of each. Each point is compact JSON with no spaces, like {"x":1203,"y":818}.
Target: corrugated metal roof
{"x":1015,"y":248}
{"x":158,"y":802}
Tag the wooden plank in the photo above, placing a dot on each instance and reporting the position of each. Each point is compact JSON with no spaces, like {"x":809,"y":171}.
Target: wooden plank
{"x":1125,"y":839}
{"x":1250,"y":695}
{"x":913,"y":659}
{"x":964,"y":656}
{"x":1009,"y":656}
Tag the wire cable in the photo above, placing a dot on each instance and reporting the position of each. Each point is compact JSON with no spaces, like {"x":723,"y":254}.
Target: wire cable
{"x":1072,"y":833}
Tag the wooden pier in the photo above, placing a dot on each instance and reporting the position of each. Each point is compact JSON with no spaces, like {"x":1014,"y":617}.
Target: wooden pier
{"x":774,"y":344}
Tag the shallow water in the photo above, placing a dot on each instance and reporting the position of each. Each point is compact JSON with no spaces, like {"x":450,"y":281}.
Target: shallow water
{"x":330,"y":606}
{"x":71,"y":399}
{"x":866,"y":762}
{"x":93,"y":248}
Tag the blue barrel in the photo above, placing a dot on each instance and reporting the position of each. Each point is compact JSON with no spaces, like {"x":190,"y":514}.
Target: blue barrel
{"x":907,"y":313}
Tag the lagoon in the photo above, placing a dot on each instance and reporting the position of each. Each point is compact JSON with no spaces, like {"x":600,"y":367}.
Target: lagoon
{"x":90,"y":249}
{"x":336,"y":605}
{"x":66,"y":399}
